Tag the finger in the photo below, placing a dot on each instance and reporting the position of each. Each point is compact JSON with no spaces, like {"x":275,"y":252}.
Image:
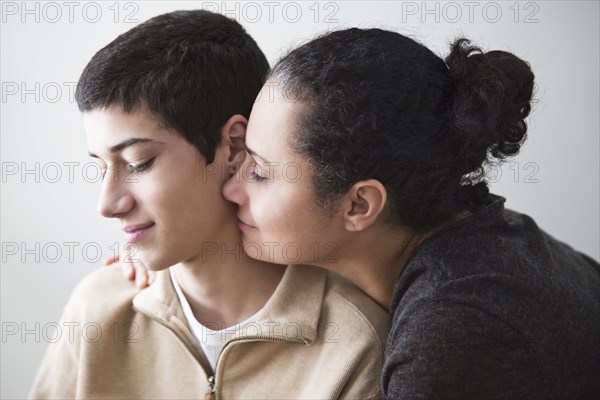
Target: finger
{"x":111,"y":260}
{"x":151,"y":277}
{"x":141,"y":277}
{"x":128,"y":271}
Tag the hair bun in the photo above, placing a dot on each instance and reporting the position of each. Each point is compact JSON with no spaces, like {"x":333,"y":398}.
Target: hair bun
{"x":491,"y":102}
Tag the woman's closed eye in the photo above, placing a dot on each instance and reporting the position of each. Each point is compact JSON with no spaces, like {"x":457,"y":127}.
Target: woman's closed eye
{"x":255,"y":174}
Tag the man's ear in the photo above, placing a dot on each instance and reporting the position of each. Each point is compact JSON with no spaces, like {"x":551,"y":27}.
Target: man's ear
{"x":363,"y":203}
{"x":233,"y":135}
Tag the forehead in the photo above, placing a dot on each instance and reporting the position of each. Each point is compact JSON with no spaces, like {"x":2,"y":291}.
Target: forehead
{"x":273,"y":122}
{"x":108,"y":126}
{"x":114,"y":120}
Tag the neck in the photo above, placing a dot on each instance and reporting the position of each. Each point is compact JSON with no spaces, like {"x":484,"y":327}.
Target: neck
{"x":374,"y":263}
{"x":374,"y":259}
{"x":226,"y":287}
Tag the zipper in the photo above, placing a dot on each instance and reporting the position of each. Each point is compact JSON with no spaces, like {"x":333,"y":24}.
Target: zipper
{"x":211,"y":385}
{"x":261,"y":338}
{"x":212,"y":380}
{"x":207,"y":369}
{"x":212,"y":376}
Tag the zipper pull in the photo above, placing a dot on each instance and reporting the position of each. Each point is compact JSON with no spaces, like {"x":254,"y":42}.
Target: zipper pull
{"x":211,"y":385}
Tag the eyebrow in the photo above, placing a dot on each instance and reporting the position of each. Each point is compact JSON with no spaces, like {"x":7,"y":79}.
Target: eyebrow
{"x":256,"y":155}
{"x":127,"y":143}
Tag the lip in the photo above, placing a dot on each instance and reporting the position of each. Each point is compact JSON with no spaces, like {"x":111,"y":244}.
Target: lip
{"x":244,"y":227}
{"x":135,"y":233}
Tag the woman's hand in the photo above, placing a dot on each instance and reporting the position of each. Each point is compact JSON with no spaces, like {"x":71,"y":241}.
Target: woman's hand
{"x":143,"y":277}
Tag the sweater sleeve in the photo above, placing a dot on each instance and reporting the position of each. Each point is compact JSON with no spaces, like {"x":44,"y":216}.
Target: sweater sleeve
{"x":438,"y":350}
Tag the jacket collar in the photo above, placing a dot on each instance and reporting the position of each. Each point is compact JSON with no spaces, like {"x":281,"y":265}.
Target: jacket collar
{"x":292,"y":313}
{"x":294,"y":309}
{"x":160,"y":302}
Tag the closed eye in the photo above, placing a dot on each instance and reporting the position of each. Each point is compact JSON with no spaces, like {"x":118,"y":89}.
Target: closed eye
{"x":256,"y":177}
{"x":140,"y":168}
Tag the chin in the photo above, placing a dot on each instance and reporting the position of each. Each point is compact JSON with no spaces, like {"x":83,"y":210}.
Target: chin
{"x":152,"y":263}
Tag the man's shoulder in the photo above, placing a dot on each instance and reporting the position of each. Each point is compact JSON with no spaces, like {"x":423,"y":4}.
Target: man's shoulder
{"x":101,"y":294}
{"x":349,"y":306}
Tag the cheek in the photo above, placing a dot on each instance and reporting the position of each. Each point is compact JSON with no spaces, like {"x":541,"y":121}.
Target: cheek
{"x":179,"y":199}
{"x":280,"y":213}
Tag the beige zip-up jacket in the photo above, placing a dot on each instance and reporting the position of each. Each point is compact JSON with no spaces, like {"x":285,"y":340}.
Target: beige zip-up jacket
{"x":318,"y":337}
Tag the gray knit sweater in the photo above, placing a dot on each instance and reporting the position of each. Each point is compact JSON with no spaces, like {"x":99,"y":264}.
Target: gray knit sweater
{"x":493,"y":307}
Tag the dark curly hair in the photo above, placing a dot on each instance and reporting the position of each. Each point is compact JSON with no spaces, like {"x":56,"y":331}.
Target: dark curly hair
{"x":193,"y":69}
{"x":380,"y":105}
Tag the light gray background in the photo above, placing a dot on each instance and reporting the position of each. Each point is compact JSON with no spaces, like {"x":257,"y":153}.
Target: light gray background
{"x":555,"y":178}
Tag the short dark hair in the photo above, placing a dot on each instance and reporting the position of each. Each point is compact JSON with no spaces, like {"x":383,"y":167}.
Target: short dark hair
{"x":193,"y":70}
{"x":380,"y":105}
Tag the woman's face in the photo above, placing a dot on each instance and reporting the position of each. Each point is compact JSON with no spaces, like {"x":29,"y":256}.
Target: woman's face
{"x":157,"y":185}
{"x":278,"y":214}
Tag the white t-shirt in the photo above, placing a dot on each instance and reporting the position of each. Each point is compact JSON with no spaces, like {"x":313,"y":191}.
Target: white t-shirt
{"x":213,"y":338}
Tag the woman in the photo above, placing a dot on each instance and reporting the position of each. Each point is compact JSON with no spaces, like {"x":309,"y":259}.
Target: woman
{"x":375,"y":147}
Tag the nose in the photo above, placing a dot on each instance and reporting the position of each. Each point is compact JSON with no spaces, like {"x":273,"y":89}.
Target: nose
{"x":234,"y":189}
{"x":115,"y":196}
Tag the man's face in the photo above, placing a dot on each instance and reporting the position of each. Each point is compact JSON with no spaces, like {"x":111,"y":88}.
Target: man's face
{"x":166,"y":198}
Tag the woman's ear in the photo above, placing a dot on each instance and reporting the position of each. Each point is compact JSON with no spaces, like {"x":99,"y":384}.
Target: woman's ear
{"x":233,"y":136}
{"x":363,"y":203}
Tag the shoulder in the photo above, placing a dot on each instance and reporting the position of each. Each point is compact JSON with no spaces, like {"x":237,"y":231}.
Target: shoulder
{"x":435,"y":346}
{"x":102,"y":293}
{"x":355,"y":328}
{"x":348,"y":306}
{"x":497,"y":261}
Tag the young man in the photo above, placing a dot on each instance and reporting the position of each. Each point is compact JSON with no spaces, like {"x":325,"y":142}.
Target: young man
{"x":165,"y":108}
